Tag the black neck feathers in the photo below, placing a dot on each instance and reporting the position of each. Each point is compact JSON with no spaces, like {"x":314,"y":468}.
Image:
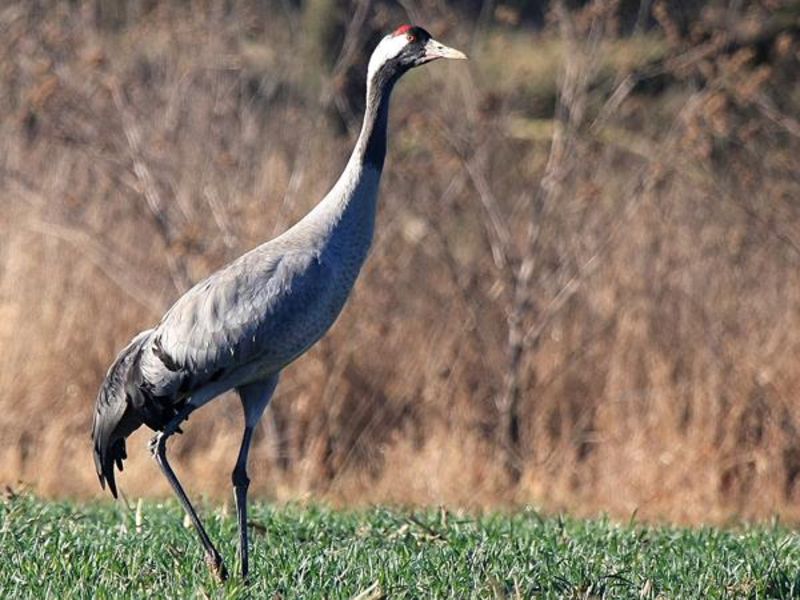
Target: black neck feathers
{"x":376,"y":116}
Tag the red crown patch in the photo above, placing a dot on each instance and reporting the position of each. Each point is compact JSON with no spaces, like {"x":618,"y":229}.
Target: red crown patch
{"x":401,"y":30}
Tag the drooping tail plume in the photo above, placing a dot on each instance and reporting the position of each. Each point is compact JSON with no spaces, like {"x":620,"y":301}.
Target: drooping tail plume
{"x":113,"y":418}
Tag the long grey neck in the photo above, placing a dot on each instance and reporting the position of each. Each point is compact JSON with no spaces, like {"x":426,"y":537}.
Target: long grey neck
{"x":370,"y":149}
{"x":355,"y":194}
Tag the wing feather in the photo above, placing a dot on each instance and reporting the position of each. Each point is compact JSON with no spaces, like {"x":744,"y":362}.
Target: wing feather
{"x":227,"y":320}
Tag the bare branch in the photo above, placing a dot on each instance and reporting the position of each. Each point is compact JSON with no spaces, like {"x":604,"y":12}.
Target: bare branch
{"x":499,"y":236}
{"x":133,"y":136}
{"x":769,"y":110}
{"x":113,"y":266}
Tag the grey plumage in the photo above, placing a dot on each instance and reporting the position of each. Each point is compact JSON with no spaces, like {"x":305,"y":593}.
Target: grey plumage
{"x":247,"y":321}
{"x":113,"y":419}
{"x":241,"y":326}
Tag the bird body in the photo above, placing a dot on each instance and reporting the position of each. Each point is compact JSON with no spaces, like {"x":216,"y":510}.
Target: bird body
{"x":238,"y":328}
{"x":255,"y":316}
{"x":247,"y":321}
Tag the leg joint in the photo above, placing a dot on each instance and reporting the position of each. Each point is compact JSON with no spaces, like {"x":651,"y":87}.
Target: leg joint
{"x":157,"y":445}
{"x":239,"y":477}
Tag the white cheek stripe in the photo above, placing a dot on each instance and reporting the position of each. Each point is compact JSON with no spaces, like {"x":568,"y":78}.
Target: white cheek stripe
{"x":389,"y":47}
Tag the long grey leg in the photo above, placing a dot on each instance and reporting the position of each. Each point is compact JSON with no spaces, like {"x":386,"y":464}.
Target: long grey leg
{"x":255,"y":398}
{"x":158,"y":446}
{"x":240,"y":484}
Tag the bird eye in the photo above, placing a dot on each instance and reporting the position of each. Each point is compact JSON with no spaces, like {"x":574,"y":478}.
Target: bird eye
{"x":410,"y":37}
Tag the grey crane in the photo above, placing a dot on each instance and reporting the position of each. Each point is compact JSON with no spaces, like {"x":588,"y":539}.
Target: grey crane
{"x":242,"y":325}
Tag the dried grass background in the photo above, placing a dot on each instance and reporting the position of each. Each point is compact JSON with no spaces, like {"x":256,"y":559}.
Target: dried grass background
{"x":584,"y":290}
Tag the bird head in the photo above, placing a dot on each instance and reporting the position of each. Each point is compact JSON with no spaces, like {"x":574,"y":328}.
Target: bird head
{"x":407,"y":47}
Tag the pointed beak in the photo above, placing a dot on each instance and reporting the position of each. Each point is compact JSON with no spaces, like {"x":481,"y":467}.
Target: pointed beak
{"x":434,"y":50}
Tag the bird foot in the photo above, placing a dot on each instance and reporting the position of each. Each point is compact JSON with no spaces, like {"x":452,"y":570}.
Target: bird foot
{"x":216,"y":566}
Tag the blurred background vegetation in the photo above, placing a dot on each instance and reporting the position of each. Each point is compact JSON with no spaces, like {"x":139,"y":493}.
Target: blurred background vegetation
{"x":584,"y":291}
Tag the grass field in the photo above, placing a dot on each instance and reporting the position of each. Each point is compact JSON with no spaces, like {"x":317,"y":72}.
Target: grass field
{"x":59,"y":549}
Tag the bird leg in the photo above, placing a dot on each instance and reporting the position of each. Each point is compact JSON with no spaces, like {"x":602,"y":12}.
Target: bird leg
{"x":255,"y":398}
{"x":158,"y":446}
{"x":240,"y":484}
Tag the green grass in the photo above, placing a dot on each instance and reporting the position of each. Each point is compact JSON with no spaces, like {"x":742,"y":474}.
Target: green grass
{"x":61,"y":550}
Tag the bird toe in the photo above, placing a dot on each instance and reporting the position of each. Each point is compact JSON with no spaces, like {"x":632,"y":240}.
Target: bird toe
{"x":216,"y":566}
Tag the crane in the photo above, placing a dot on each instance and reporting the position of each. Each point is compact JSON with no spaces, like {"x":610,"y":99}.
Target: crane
{"x":239,"y":328}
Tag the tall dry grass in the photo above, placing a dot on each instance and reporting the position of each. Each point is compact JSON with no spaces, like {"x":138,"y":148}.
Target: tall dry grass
{"x":584,"y":289}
